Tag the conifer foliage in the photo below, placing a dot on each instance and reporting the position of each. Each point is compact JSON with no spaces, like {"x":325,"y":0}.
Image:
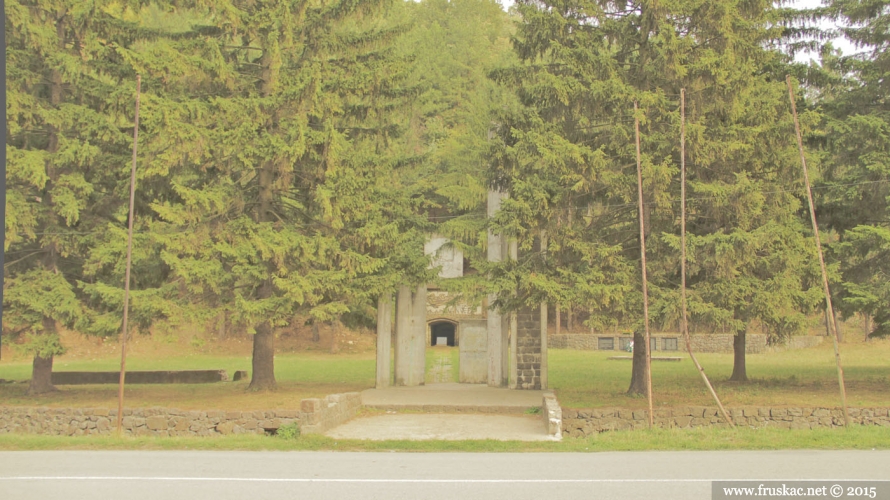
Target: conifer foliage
{"x":568,"y":158}
{"x":296,"y":155}
{"x":274,"y":145}
{"x":69,"y":118}
{"x":856,"y":139}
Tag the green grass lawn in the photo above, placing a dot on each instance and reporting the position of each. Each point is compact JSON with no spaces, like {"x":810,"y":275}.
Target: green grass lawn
{"x":862,"y":438}
{"x":582,"y":379}
{"x":586,"y":379}
{"x":299,"y":376}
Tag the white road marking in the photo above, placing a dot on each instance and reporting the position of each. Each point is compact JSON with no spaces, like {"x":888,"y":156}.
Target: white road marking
{"x":334,"y":480}
{"x":345,"y":480}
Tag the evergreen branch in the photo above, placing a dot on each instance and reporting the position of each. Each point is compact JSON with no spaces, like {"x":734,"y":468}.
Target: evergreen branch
{"x":8,"y":264}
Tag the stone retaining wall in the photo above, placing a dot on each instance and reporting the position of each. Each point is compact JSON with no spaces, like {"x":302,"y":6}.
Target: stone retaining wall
{"x":315,"y":416}
{"x":581,"y":423}
{"x":319,"y":415}
{"x":141,"y":421}
{"x":712,"y":342}
{"x":798,"y":342}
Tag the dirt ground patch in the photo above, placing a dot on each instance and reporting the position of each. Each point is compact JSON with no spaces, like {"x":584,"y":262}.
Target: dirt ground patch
{"x":295,"y":338}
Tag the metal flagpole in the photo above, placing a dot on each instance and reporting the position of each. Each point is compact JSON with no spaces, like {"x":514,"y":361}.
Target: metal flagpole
{"x":829,"y":309}
{"x":643,"y":259}
{"x":120,"y":386}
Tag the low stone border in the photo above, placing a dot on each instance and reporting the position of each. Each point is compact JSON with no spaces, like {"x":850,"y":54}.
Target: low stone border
{"x":586,"y":422}
{"x":141,"y":421}
{"x":755,"y":343}
{"x":314,"y":416}
{"x":319,"y":415}
{"x":552,"y":416}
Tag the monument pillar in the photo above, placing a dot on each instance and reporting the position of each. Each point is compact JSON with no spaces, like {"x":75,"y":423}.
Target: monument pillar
{"x":497,"y":325}
{"x":384,"y":340}
{"x":410,"y":348}
{"x":420,"y":338}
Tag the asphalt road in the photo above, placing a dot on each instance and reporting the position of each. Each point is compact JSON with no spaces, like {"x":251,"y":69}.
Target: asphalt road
{"x":187,"y":475}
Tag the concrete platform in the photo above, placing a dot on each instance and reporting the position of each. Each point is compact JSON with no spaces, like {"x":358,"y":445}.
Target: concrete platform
{"x":453,"y":398}
{"x":448,"y":411}
{"x":422,"y":427}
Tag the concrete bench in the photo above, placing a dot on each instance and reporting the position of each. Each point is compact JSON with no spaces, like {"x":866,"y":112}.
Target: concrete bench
{"x":142,"y":377}
{"x":660,"y":358}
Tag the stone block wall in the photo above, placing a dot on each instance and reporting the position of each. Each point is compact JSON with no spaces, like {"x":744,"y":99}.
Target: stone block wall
{"x":582,"y":423}
{"x":441,"y":304}
{"x":315,"y":416}
{"x":528,"y":349}
{"x":798,"y":342}
{"x":141,"y":421}
{"x":755,"y":343}
{"x":318,"y":415}
{"x":713,"y":342}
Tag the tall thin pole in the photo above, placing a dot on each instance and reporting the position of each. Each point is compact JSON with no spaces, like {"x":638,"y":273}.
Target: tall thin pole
{"x":120,"y":385}
{"x":685,"y":321}
{"x":829,"y":309}
{"x":643,"y":259}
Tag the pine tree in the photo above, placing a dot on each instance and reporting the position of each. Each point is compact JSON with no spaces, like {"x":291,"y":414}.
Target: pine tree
{"x":69,"y":117}
{"x":271,"y":124}
{"x":571,"y":151}
{"x":855,"y":190}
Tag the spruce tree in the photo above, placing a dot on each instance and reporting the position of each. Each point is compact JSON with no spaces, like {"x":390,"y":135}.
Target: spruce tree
{"x":69,"y":116}
{"x":854,"y":191}
{"x":571,"y":151}
{"x":271,"y":124}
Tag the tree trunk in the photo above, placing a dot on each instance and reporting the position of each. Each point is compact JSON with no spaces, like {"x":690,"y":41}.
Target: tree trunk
{"x":263,"y":362}
{"x":837,"y":328}
{"x":263,"y":377}
{"x":42,"y":367}
{"x":221,"y":325}
{"x":866,"y":328}
{"x":570,"y":320}
{"x":638,"y":375}
{"x":558,"y":320}
{"x":739,"y":371}
{"x":41,"y":376}
{"x":316,"y":335}
{"x":335,"y":333}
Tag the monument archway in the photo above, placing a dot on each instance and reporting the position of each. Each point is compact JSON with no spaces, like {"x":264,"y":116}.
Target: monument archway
{"x":443,"y":332}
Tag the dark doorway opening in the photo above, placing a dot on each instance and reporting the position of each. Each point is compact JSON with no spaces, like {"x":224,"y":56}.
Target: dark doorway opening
{"x":442,"y":333}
